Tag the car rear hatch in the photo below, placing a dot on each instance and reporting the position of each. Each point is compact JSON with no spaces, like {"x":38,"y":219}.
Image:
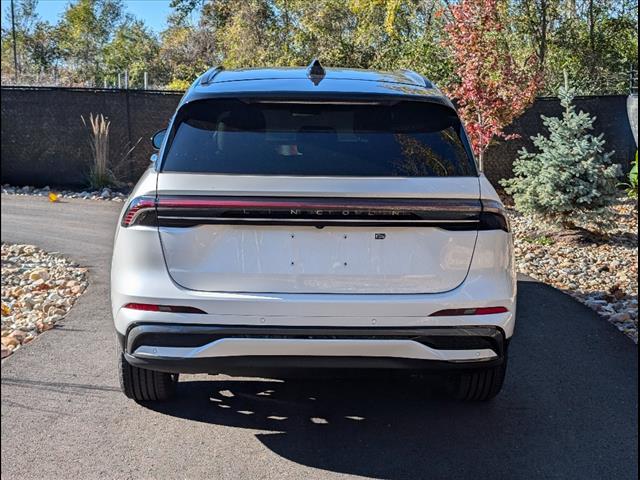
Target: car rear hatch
{"x":291,"y":197}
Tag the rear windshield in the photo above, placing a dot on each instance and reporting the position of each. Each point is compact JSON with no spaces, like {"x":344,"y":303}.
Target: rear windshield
{"x":408,"y":139}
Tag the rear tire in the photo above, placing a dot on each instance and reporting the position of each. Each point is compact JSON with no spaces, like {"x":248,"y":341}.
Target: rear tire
{"x":145,"y":385}
{"x":478,"y":385}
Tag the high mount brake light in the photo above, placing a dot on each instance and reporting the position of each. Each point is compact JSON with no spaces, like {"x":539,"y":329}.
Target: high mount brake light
{"x":454,"y":312}
{"x":147,"y":307}
{"x":137,"y":209}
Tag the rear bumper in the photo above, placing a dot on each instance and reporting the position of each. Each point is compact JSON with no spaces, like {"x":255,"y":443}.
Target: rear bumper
{"x":139,"y":275}
{"x":255,"y":350}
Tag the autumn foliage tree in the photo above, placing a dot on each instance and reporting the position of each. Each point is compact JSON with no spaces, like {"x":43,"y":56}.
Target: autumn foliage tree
{"x":492,"y":88}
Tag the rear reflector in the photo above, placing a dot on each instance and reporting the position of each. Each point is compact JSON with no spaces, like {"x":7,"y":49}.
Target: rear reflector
{"x":454,"y":312}
{"x":163,"y":308}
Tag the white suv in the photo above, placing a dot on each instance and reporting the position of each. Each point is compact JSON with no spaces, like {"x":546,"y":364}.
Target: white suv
{"x":311,"y":218}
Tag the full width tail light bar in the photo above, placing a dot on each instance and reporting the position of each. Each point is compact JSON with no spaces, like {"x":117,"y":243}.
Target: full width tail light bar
{"x":190,"y":211}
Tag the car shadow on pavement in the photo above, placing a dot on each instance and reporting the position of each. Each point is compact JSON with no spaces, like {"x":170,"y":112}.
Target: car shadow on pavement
{"x":570,"y":400}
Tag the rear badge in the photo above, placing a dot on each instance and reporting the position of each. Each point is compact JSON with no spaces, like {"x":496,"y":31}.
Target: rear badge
{"x":380,"y":236}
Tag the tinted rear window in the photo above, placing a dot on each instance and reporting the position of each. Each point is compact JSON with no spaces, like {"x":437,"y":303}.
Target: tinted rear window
{"x":411,"y":139}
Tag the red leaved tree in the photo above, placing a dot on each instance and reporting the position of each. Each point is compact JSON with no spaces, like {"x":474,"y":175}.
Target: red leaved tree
{"x":492,"y":89}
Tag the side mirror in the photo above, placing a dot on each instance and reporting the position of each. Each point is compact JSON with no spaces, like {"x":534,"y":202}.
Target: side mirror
{"x":157,"y":138}
{"x":154,"y":158}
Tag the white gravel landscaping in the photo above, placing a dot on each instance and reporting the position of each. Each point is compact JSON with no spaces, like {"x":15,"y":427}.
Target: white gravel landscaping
{"x":601,"y":272}
{"x":38,"y":289}
{"x":103,"y":194}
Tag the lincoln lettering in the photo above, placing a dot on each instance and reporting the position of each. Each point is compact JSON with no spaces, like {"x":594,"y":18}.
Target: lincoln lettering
{"x":319,"y":212}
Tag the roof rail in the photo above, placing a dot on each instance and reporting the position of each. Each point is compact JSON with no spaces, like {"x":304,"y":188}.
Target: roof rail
{"x":210,"y":74}
{"x":416,"y":77}
{"x":315,"y":71}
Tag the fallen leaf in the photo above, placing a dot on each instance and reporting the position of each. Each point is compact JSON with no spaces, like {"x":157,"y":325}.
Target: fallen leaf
{"x":53,"y":197}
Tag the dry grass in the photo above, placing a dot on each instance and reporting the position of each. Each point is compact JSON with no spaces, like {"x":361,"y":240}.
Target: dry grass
{"x":98,"y":127}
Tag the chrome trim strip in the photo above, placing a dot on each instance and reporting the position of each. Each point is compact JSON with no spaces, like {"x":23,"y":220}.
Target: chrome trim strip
{"x":239,"y":347}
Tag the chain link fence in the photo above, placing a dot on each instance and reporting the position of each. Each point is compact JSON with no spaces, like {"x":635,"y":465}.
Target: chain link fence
{"x":599,"y":83}
{"x":54,"y":79}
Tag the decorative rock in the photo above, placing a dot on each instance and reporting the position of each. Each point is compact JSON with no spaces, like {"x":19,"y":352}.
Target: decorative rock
{"x":19,"y":335}
{"x":601,"y":273}
{"x":620,"y":317}
{"x":35,"y":293}
{"x":43,"y":326}
{"x":38,"y":275}
{"x":10,"y":341}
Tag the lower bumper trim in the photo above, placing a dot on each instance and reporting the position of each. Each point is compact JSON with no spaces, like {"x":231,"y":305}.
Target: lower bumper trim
{"x":268,"y":347}
{"x":276,"y":366}
{"x":226,"y":349}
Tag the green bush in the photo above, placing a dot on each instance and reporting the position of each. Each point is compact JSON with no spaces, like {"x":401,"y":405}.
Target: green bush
{"x":570,"y":180}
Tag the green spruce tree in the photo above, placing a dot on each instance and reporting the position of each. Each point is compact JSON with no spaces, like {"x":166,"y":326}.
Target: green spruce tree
{"x":571,"y":180}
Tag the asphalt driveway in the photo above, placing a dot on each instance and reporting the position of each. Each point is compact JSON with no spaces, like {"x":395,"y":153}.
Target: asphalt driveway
{"x":568,"y":410}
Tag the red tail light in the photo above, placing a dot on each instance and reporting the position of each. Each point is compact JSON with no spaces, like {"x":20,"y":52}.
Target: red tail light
{"x":454,"y":312}
{"x":136,"y":208}
{"x":147,"y":307}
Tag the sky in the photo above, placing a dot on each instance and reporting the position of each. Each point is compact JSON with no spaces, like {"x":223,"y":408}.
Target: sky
{"x":153,"y":12}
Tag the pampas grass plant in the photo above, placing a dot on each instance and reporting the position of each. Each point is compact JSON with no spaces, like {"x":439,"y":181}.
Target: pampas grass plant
{"x":98,"y":127}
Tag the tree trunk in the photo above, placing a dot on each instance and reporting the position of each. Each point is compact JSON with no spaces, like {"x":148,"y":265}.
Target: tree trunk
{"x":481,"y":148}
{"x":287,"y":28}
{"x":592,"y":25}
{"x":544,"y":14}
{"x":432,"y":8}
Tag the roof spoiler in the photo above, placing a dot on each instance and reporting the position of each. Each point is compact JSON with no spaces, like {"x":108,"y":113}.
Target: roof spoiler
{"x":210,"y":74}
{"x":416,"y":77}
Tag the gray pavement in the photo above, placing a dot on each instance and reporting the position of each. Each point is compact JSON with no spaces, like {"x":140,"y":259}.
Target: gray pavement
{"x":568,"y":410}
